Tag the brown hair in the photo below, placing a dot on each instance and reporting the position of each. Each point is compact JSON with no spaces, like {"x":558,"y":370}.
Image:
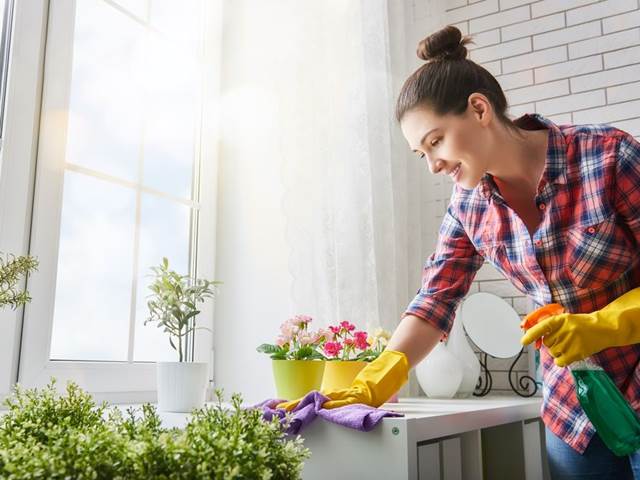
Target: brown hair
{"x":445,"y":82}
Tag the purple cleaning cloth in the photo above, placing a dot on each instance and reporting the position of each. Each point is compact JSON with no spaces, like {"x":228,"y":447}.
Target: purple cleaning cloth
{"x":357,"y":416}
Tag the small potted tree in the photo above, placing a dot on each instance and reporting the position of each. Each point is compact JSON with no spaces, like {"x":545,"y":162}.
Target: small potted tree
{"x":173,"y":306}
{"x":12,"y":269}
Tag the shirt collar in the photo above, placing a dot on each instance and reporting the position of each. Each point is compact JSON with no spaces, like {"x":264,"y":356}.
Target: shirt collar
{"x":556,"y":160}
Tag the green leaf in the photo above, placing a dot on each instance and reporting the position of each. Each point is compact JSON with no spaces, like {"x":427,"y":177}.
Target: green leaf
{"x":268,"y":348}
{"x":304,"y":352}
{"x":316,"y":356}
{"x":281,"y":355}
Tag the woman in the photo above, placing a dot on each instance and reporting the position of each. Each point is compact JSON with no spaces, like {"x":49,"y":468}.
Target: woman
{"x":556,"y":209}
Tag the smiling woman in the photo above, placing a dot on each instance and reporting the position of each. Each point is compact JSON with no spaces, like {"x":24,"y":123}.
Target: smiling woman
{"x":514,"y":181}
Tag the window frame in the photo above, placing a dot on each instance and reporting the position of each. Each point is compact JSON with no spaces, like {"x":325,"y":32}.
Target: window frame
{"x":118,"y":382}
{"x":18,"y":160}
{"x":5,"y":49}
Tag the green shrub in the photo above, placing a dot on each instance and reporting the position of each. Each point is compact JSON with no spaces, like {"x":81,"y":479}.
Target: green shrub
{"x":46,"y":435}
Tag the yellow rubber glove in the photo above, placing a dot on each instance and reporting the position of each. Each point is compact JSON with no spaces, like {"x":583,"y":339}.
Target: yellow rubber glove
{"x":373,"y":386}
{"x":575,"y":336}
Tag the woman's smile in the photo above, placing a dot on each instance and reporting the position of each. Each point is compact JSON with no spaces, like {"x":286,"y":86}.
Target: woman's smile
{"x":455,"y":173}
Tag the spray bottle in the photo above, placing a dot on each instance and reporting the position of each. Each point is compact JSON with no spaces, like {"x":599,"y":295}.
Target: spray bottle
{"x":611,"y":415}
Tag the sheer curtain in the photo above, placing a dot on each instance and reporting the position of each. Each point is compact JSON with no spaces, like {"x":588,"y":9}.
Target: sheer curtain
{"x":320,"y":194}
{"x":345,"y":173}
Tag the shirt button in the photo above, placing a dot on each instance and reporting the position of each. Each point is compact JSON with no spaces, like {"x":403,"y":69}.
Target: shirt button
{"x":591,"y":230}
{"x":542,"y":206}
{"x":538,"y":243}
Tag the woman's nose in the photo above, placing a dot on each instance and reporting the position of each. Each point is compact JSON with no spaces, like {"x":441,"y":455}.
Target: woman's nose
{"x":435,"y":166}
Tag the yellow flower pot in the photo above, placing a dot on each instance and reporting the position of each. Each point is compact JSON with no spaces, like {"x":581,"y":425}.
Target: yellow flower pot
{"x":339,"y":374}
{"x":296,"y":378}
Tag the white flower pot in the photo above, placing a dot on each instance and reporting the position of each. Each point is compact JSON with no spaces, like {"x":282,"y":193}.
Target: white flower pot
{"x":181,"y":386}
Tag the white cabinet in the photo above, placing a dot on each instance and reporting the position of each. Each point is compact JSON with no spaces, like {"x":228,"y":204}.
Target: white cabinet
{"x":470,"y":439}
{"x":440,"y":459}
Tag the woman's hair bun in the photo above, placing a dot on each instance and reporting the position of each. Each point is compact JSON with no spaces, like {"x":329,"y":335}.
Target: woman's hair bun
{"x":445,"y":44}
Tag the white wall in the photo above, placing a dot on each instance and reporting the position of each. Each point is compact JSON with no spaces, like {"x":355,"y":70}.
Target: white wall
{"x":251,"y":257}
{"x":573,"y":61}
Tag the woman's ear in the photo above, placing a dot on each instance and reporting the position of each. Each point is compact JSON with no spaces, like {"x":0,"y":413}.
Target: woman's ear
{"x":480,"y":108}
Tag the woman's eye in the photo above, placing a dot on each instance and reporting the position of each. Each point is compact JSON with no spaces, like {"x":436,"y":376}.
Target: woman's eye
{"x":421,"y":156}
{"x":435,"y":142}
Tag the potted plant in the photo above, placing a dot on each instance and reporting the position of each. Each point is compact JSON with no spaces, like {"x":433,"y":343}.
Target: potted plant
{"x":12,"y":269}
{"x":173,"y":305}
{"x":296,"y":361}
{"x":347,"y":352}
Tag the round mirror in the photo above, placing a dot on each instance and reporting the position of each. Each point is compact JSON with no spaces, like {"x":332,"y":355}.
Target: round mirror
{"x":492,"y":324}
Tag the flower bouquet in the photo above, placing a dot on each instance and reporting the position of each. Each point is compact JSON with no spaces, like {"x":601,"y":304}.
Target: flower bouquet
{"x":296,"y":357}
{"x":324,"y":359}
{"x":348,"y":351}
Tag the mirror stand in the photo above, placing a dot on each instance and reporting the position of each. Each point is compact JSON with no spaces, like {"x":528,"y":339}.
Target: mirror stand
{"x":485,"y":381}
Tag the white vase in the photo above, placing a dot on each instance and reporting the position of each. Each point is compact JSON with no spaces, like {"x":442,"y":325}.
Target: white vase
{"x":440,"y":373}
{"x":182,"y":386}
{"x":458,"y":344}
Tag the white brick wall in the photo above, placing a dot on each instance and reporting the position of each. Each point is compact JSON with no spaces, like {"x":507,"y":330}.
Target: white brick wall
{"x":574,"y":61}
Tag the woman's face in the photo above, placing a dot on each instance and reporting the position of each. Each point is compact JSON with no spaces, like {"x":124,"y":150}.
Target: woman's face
{"x":455,"y":145}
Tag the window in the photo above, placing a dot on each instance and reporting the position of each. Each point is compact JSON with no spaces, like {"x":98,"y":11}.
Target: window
{"x":118,"y":186}
{"x":6,"y":10}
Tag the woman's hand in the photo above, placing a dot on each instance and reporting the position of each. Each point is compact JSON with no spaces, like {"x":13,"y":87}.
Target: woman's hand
{"x":373,"y":386}
{"x":575,"y":336}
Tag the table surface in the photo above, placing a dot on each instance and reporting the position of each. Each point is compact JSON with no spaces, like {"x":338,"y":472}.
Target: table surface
{"x":431,"y":418}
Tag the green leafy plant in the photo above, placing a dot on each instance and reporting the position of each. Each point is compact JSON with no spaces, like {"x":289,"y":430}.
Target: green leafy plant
{"x":12,"y":269}
{"x":45,"y":435}
{"x":173,"y":304}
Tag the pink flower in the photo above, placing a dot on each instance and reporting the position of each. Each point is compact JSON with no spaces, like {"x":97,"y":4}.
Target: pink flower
{"x":361,"y":340}
{"x":349,"y":342}
{"x":328,"y":335}
{"x":334,"y":330}
{"x":302,"y":319}
{"x":349,"y":327}
{"x":332,"y":349}
{"x":287,"y":329}
{"x":306,"y":339}
{"x":282,"y":340}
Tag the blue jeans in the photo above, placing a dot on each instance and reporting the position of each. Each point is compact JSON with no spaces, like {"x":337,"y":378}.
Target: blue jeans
{"x":597,"y":462}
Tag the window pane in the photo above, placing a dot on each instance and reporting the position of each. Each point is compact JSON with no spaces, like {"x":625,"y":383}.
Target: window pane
{"x":172,"y":108}
{"x":131,"y":150}
{"x":139,"y":8}
{"x":182,"y":24}
{"x":164,"y":232}
{"x":93,"y":286}
{"x":105,"y":120}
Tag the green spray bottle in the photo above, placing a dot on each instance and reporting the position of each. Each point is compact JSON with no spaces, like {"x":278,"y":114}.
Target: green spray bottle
{"x":613,"y":418}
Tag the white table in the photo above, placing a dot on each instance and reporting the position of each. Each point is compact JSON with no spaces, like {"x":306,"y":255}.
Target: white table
{"x":475,"y":438}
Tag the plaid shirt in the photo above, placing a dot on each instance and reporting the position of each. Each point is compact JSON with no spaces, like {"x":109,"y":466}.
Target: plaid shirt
{"x":583,"y":255}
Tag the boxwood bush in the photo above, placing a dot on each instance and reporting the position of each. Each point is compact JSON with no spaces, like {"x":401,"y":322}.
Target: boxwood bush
{"x":44,"y":435}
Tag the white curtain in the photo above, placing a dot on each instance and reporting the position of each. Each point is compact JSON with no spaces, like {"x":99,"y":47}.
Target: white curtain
{"x":344,"y":175}
{"x":337,"y":169}
{"x":320,"y":107}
